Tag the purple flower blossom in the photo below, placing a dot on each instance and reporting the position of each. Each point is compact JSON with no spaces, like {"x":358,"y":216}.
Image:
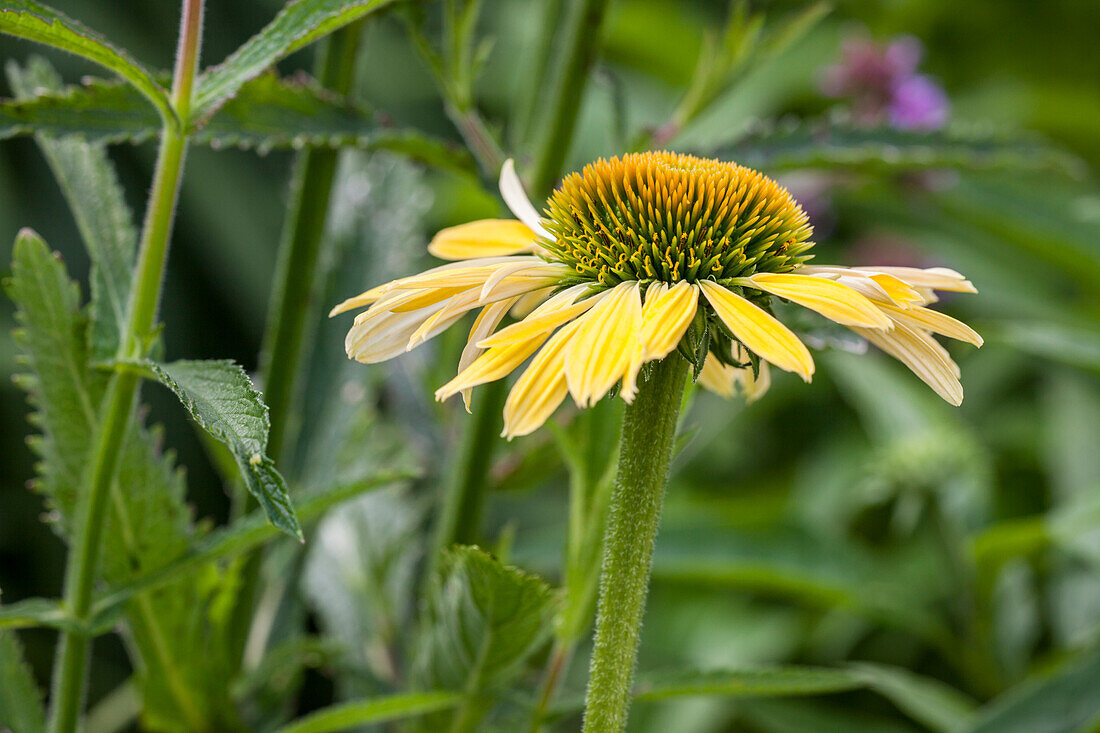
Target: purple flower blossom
{"x":918,"y":104}
{"x":882,"y":84}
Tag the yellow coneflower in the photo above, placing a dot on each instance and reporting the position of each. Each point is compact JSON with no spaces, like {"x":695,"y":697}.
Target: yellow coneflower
{"x":632,"y":254}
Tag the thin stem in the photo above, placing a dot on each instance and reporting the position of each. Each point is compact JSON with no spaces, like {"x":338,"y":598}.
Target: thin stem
{"x":463,"y":496}
{"x":556,"y":665}
{"x":540,"y":61}
{"x":645,"y":451}
{"x":578,"y":53}
{"x":71,"y":669}
{"x":294,"y":300}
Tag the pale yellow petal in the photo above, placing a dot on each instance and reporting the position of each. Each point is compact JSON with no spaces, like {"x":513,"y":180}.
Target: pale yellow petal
{"x":559,"y":309}
{"x":601,"y":350}
{"x":361,"y":300}
{"x":836,"y":302}
{"x":717,"y":377}
{"x":485,"y":238}
{"x":759,"y":331}
{"x":485,"y":323}
{"x":494,"y":364}
{"x":937,"y":278}
{"x":924,"y":357}
{"x":666,"y":315}
{"x":541,"y":387}
{"x":935,"y":322}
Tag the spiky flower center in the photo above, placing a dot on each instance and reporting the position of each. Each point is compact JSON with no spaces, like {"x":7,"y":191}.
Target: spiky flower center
{"x":669,"y":217}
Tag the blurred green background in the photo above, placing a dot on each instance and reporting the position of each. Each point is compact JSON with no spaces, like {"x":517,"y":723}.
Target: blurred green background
{"x":799,"y":528}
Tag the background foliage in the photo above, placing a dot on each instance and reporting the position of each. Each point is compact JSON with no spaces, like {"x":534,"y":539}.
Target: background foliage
{"x":943,"y":564}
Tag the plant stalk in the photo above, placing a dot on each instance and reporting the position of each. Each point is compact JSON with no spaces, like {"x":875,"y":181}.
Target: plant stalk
{"x":582,"y":41}
{"x":645,"y":452}
{"x":70,"y":675}
{"x":294,"y":300}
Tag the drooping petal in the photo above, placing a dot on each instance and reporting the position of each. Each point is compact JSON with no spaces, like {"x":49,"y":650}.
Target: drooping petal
{"x":468,"y":300}
{"x":831,"y":299}
{"x":541,"y":387}
{"x":918,"y":351}
{"x":559,"y":309}
{"x":485,"y":323}
{"x":386,"y":335}
{"x":666,"y":315}
{"x":361,"y":300}
{"x":937,"y":278}
{"x":758,"y":331}
{"x":719,"y":378}
{"x":601,"y":350}
{"x":511,"y":190}
{"x":936,"y":322}
{"x":494,"y":364}
{"x":484,"y":238}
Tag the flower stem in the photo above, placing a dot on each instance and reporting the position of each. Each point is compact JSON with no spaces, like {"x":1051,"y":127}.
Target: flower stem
{"x":645,"y":451}
{"x":560,"y":654}
{"x":578,"y":53}
{"x":82,"y":569}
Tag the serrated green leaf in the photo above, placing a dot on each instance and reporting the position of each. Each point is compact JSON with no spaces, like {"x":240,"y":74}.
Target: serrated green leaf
{"x":64,"y":394}
{"x":148,"y":524}
{"x":881,"y":149}
{"x":297,"y":25}
{"x":20,"y":699}
{"x":92,"y":191}
{"x":1067,"y":701}
{"x":487,"y":618}
{"x":243,"y":535}
{"x":350,"y":715}
{"x":222,"y":400}
{"x":35,"y":22}
{"x":267,"y":113}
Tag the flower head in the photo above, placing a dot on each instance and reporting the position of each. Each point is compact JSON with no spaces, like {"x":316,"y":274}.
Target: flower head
{"x":637,"y":257}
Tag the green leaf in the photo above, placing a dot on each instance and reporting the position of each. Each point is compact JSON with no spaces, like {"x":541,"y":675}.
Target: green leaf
{"x":267,"y":113}
{"x":35,"y":22}
{"x":53,"y":348}
{"x":882,"y":149}
{"x":925,"y":700}
{"x":20,"y":699}
{"x":297,"y":25}
{"x":90,"y":185}
{"x":488,"y":618}
{"x":1066,"y":701}
{"x":222,"y":400}
{"x":763,"y":682}
{"x":176,"y":653}
{"x":376,"y":710}
{"x":243,"y":535}
{"x":1072,"y":344}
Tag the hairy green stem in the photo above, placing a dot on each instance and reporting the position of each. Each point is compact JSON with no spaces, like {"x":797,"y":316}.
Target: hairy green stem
{"x":294,"y":299}
{"x":70,"y":672}
{"x":582,"y":40}
{"x":645,"y":451}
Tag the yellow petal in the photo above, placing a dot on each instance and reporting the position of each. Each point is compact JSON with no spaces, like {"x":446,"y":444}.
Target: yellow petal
{"x":490,"y":366}
{"x":719,"y":378}
{"x":541,"y":387}
{"x":361,"y":300}
{"x":485,"y":238}
{"x":666,"y":315}
{"x":421,"y":299}
{"x":557,"y":310}
{"x":935,"y":322}
{"x":758,"y":331}
{"x":897,"y":290}
{"x":485,"y":323}
{"x":924,"y":357}
{"x":836,"y":302}
{"x":604,"y":344}
{"x":937,"y":278}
